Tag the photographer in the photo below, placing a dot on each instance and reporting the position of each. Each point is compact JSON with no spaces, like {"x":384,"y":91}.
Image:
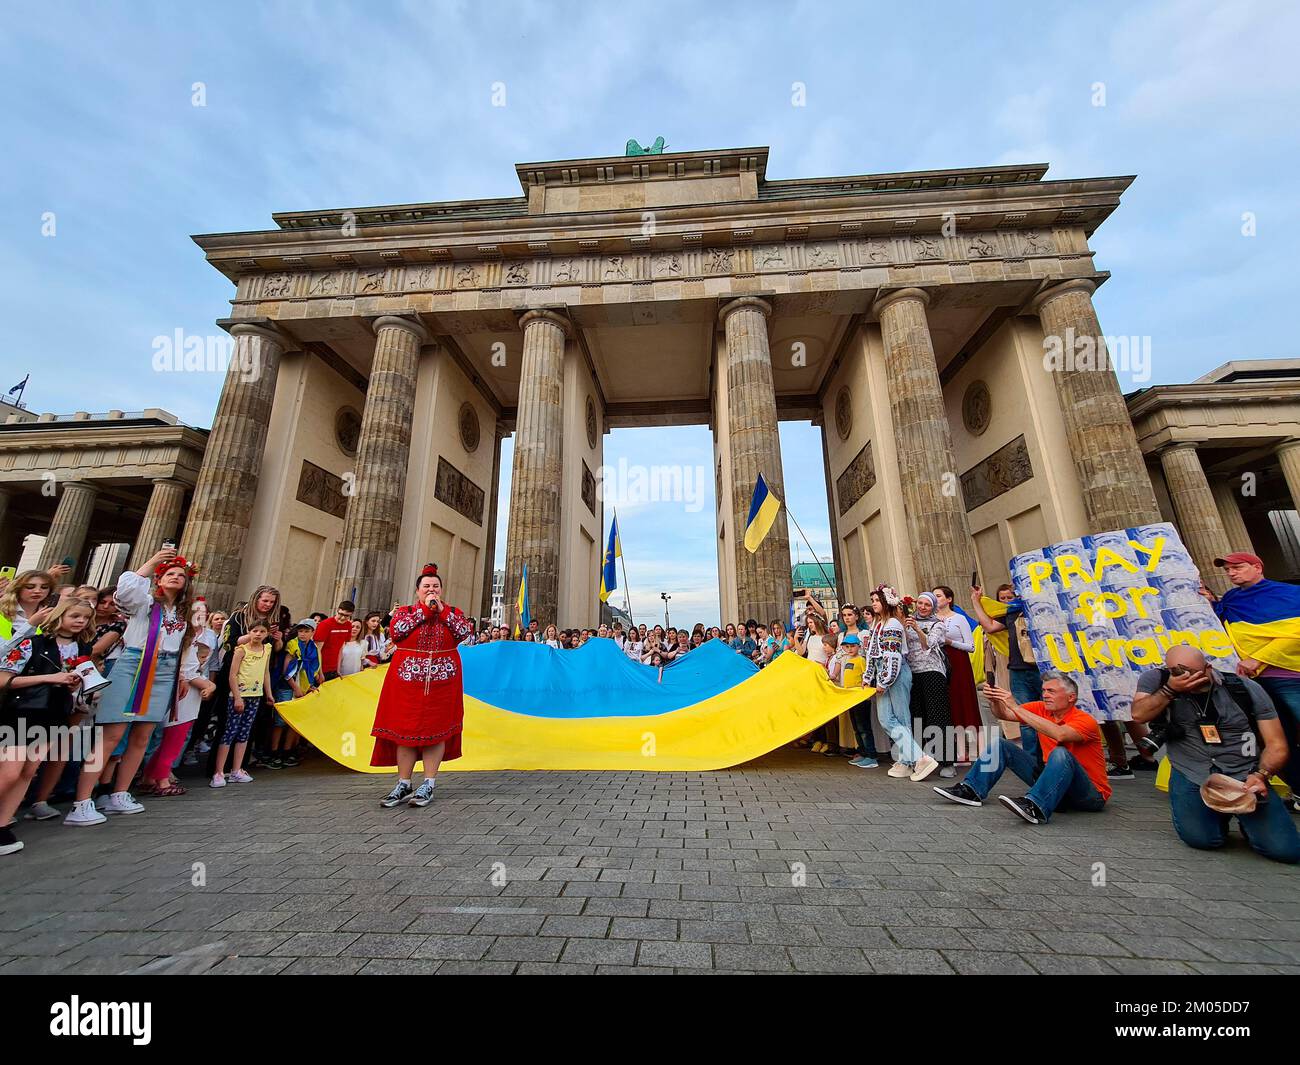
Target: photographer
{"x":1218,"y":769}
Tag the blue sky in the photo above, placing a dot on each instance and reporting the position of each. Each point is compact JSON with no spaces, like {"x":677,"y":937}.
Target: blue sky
{"x":340,"y":105}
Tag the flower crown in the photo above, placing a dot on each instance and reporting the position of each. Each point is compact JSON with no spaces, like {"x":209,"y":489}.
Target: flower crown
{"x":430,"y":570}
{"x":888,"y":595}
{"x":179,"y":562}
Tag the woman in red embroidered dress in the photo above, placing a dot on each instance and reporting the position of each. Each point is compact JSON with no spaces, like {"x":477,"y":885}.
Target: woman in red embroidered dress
{"x":422,"y":704}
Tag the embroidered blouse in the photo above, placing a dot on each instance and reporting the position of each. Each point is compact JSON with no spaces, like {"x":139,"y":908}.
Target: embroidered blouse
{"x":884,"y":654}
{"x":134,"y":600}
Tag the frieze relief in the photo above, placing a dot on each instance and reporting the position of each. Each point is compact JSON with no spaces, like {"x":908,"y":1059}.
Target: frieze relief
{"x":1007,"y":467}
{"x":858,"y":478}
{"x":688,"y":263}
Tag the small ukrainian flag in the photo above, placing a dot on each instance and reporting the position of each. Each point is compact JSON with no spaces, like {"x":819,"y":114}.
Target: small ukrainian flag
{"x":522,"y":603}
{"x":763,"y":510}
{"x":608,"y":571}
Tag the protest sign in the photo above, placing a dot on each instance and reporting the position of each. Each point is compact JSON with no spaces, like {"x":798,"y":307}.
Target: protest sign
{"x":1103,"y":608}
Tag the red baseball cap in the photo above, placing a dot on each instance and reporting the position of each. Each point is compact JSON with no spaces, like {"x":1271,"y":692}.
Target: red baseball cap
{"x":1239,"y":556}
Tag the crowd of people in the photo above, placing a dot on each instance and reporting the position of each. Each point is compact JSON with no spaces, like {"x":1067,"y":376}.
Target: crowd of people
{"x":195,"y":687}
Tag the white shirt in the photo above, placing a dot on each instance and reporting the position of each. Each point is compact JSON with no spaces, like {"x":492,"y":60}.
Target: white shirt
{"x":350,"y":656}
{"x":960,"y":637}
{"x":816,"y":649}
{"x":187,"y":706}
{"x":134,"y":600}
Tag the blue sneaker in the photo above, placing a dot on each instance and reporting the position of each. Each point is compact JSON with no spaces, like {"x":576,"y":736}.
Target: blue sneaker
{"x":863,"y":762}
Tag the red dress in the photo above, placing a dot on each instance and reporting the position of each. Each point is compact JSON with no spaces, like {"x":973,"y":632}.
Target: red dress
{"x":422,"y":702}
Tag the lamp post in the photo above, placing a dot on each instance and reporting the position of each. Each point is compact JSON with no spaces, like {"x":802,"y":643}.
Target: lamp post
{"x":665,"y":597}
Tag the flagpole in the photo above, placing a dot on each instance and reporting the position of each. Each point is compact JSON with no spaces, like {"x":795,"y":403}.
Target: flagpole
{"x":829,"y":583}
{"x":627,"y":591}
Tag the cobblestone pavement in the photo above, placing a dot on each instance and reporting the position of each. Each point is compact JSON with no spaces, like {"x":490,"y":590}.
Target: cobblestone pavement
{"x":794,"y":863}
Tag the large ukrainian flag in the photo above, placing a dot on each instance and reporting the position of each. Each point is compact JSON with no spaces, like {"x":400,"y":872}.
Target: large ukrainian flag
{"x":608,"y":570}
{"x":763,"y":509}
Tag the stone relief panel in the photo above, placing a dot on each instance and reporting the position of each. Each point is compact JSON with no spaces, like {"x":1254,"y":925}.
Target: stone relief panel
{"x":858,"y":478}
{"x":458,"y":492}
{"x":589,"y":488}
{"x":688,"y":263}
{"x":321,"y":489}
{"x":1000,"y":472}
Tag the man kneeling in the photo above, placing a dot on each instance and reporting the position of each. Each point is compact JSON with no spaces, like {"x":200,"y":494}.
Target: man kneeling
{"x":1219,"y":765}
{"x":1073,"y":773}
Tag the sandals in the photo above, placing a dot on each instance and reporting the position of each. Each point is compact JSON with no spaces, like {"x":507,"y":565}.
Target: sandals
{"x":168,"y":790}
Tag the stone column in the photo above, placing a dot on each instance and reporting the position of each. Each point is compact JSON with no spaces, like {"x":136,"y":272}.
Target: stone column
{"x":490,"y":538}
{"x":763,"y":579}
{"x":222,"y":508}
{"x":4,"y":507}
{"x":1112,"y":473}
{"x":368,"y":561}
{"x":1227,"y":495}
{"x":533,"y":534}
{"x":1198,"y":516}
{"x":942,"y":548}
{"x":71,"y":524}
{"x":161,"y":518}
{"x":1288,"y":457}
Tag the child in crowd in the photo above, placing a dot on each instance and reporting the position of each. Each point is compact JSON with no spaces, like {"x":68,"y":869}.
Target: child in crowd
{"x":157,"y":779}
{"x":286,"y":685}
{"x":250,"y":677}
{"x":309,"y":677}
{"x":846,"y":668}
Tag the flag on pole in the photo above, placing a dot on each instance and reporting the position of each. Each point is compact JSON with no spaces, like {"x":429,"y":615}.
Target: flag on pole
{"x":522,"y":604}
{"x":763,"y":510}
{"x":608,"y":571}
{"x":19,"y":386}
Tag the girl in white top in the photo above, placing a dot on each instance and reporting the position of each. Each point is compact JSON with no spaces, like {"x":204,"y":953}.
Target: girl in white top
{"x":352,"y":655}
{"x":632,"y":647}
{"x":551,"y":637}
{"x":194,"y":688}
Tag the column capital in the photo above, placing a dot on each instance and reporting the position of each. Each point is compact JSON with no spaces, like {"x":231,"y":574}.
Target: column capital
{"x":888,"y":299}
{"x":256,"y":327}
{"x":85,"y":486}
{"x":411,"y":325}
{"x":1178,"y":445}
{"x":753,"y":303}
{"x":542,"y":314}
{"x":1287,"y":446}
{"x":1061,"y":288}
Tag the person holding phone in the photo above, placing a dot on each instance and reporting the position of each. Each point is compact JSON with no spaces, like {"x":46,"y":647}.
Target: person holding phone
{"x":25,"y":603}
{"x":421,"y":707}
{"x":156,"y":602}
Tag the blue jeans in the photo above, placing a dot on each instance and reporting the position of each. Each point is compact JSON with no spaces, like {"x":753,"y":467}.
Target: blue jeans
{"x":1060,"y":785}
{"x":1027,"y":687}
{"x":1269,"y":830}
{"x":860,"y":716}
{"x":1285,"y":693}
{"x":894,"y":710}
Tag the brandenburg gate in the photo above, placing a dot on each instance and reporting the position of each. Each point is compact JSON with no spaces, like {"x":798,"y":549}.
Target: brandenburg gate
{"x":383,"y":353}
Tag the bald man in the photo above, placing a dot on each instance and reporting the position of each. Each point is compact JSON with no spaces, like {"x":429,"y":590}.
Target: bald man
{"x":1210,"y":731}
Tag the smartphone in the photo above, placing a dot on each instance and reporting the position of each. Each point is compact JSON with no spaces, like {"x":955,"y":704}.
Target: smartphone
{"x":69,"y":561}
{"x":7,"y":573}
{"x":169,"y":545}
{"x":974,"y":578}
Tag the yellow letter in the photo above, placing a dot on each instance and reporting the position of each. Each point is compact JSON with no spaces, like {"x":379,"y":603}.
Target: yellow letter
{"x":1037,"y":573}
{"x":1071,"y":566}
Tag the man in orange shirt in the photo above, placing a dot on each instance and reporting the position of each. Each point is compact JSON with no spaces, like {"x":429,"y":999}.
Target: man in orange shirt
{"x":1073,"y":773}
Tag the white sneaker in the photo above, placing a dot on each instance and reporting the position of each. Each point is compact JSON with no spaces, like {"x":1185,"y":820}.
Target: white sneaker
{"x":924,"y":768}
{"x":898,"y":770}
{"x":239,"y":776}
{"x":218,"y":781}
{"x":948,"y":772}
{"x":122,"y":802}
{"x":41,"y":811}
{"x":84,"y":813}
